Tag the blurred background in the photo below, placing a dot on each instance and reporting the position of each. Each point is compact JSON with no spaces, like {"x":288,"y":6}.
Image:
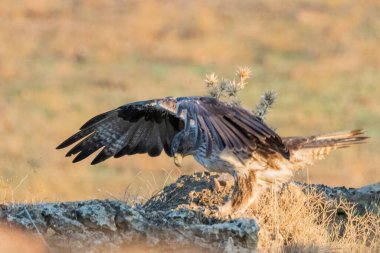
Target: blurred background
{"x":62,"y":62}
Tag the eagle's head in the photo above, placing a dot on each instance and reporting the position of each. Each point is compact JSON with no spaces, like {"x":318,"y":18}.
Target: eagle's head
{"x":185,"y":143}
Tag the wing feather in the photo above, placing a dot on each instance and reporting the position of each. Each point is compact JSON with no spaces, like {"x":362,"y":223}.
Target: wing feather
{"x":141,"y":127}
{"x":231,"y":126}
{"x":150,"y":127}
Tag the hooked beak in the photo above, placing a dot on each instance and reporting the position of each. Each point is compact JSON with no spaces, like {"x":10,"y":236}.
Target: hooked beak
{"x":178,"y":159}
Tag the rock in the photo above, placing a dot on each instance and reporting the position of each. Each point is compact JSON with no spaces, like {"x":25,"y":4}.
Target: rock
{"x":182,"y":217}
{"x":366,"y":198}
{"x":98,"y":225}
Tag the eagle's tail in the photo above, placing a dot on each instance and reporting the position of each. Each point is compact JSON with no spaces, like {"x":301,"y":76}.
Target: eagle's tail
{"x":304,"y":150}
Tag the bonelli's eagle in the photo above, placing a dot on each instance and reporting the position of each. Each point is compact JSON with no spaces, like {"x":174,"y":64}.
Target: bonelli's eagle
{"x":222,"y":137}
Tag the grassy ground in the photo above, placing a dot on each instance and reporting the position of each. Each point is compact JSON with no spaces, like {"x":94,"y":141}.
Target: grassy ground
{"x":62,"y":62}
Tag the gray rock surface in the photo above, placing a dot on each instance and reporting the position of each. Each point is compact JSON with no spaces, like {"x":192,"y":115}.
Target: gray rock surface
{"x":104,"y":225}
{"x":183,"y":216}
{"x":364,"y":198}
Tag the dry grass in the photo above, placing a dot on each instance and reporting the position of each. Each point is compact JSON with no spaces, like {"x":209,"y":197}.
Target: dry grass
{"x":299,"y":222}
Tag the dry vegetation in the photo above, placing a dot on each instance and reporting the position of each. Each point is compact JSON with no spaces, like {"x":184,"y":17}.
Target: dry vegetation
{"x":295,"y":219}
{"x":299,"y":222}
{"x":62,"y":62}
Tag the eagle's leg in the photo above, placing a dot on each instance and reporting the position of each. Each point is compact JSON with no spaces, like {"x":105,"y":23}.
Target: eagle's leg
{"x":244,"y":194}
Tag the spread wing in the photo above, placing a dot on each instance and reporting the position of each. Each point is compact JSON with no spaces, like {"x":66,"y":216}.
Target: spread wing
{"x":230,"y":126}
{"x":141,"y":127}
{"x":150,"y":127}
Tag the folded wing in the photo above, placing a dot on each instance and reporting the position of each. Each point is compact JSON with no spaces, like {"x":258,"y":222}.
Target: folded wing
{"x":230,"y":126}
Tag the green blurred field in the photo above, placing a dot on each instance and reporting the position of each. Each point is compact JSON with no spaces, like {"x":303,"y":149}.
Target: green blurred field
{"x":62,"y":62}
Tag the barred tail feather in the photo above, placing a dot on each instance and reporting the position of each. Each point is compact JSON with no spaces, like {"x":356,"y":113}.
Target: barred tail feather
{"x":337,"y":140}
{"x":305,"y":150}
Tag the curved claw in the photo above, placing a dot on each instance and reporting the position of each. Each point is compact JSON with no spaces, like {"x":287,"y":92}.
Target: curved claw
{"x":178,"y":160}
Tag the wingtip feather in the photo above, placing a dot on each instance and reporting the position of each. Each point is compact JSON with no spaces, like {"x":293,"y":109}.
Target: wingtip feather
{"x":93,"y":162}
{"x":60,"y":146}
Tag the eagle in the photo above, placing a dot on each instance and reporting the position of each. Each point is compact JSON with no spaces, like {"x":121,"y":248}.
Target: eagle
{"x":223,"y":137}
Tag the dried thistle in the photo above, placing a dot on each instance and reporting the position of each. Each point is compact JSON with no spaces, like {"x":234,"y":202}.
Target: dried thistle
{"x":211,"y":80}
{"x":223,"y":84}
{"x":244,"y":73}
{"x":232,"y":88}
{"x":228,"y":88}
{"x":215,"y":91}
{"x":266,"y":102}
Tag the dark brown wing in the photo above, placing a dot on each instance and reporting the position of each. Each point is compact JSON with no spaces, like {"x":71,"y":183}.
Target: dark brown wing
{"x":141,"y":127}
{"x":230,"y":126}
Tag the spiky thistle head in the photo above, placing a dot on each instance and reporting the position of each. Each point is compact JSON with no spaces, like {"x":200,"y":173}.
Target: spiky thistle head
{"x":214,"y":89}
{"x":244,"y":72}
{"x":225,"y":87}
{"x":233,"y":88}
{"x":266,"y":102}
{"x":211,"y":80}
